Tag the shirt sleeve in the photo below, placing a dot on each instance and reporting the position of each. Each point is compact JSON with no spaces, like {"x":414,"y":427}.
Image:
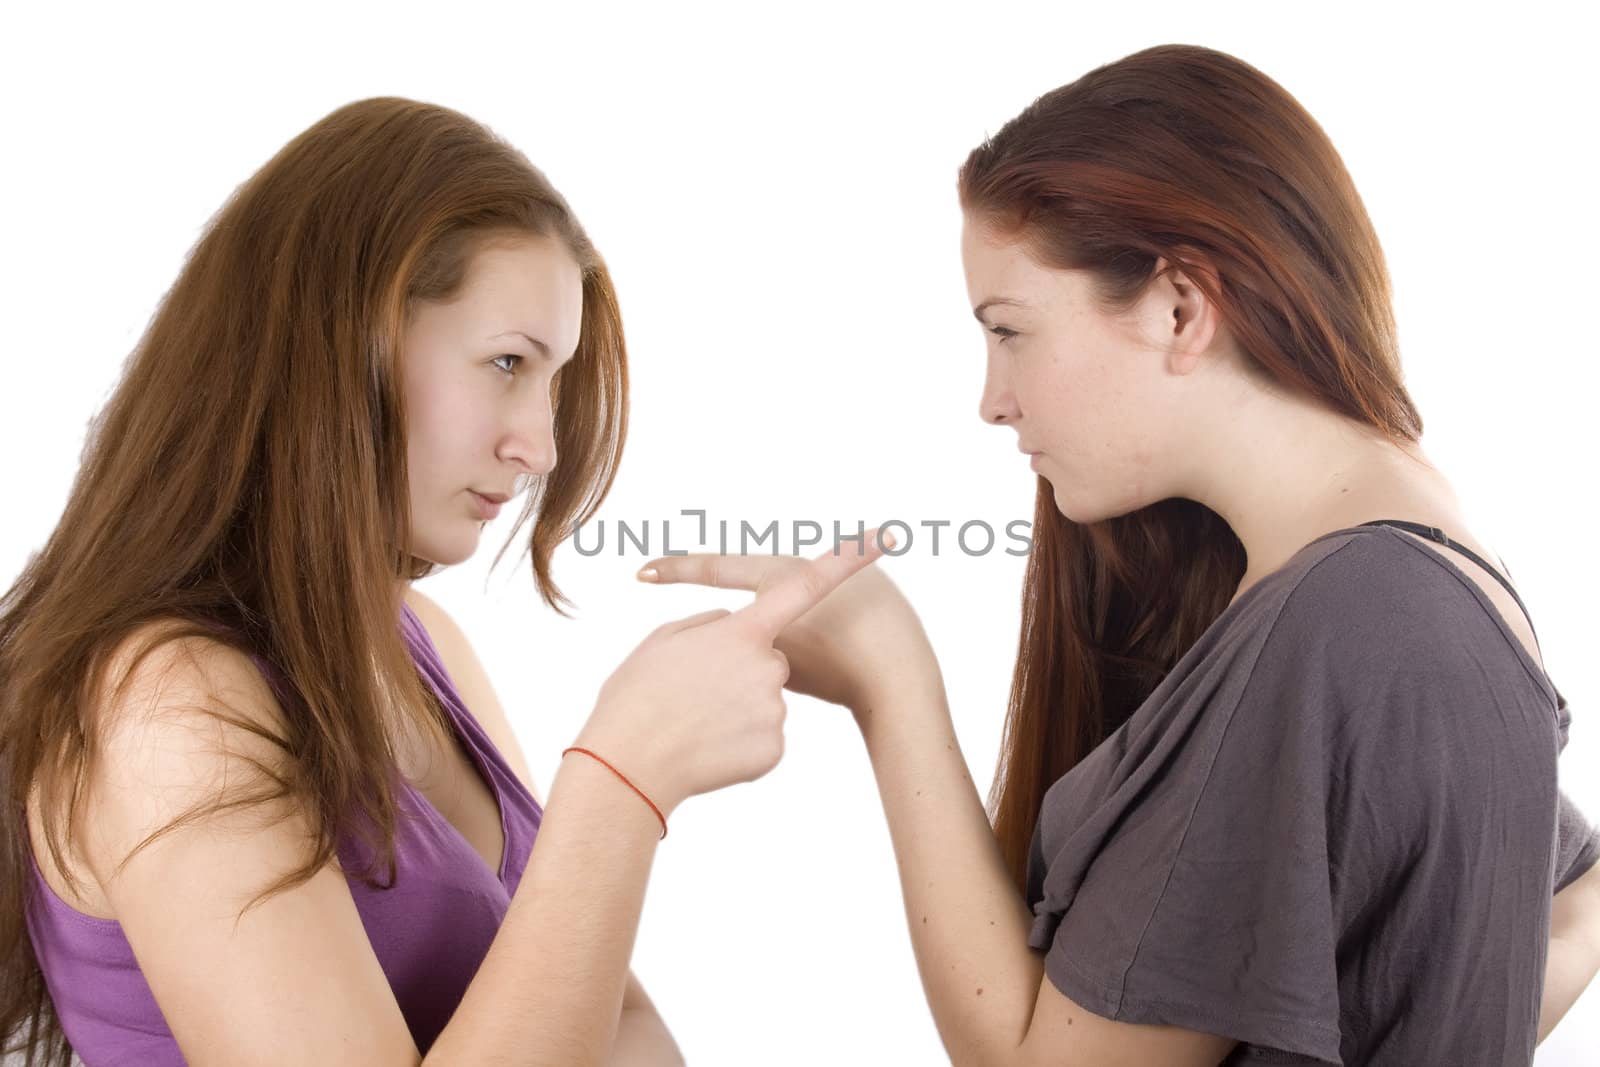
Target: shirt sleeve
{"x":1577,"y":844}
{"x":1577,"y":840}
{"x":1189,"y":886}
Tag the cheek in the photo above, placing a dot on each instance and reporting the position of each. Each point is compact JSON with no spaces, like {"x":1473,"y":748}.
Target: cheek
{"x":1083,"y":407}
{"x":1063,"y":399}
{"x":441,"y":421}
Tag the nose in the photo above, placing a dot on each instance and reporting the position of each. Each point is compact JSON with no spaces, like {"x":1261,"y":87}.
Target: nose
{"x":531,"y":442}
{"x":998,"y":404}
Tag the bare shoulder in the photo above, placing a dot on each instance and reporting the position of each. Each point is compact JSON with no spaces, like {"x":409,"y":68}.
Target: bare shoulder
{"x":152,"y":669}
{"x":156,"y":752}
{"x":472,"y":681}
{"x":177,"y":721}
{"x":190,"y":828}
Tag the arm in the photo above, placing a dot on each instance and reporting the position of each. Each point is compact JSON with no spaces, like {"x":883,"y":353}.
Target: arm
{"x":642,"y":1037}
{"x":864,"y":648}
{"x":294,"y":978}
{"x":1574,"y":957}
{"x":969,"y":924}
{"x":550,"y":989}
{"x":227,"y":983}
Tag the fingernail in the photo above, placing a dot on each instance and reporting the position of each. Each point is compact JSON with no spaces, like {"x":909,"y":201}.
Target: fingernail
{"x":649,"y":574}
{"x":888,"y":539}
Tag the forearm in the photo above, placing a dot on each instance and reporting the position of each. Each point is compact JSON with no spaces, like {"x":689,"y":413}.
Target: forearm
{"x":969,"y":924}
{"x":549,"y":990}
{"x":643,"y":1040}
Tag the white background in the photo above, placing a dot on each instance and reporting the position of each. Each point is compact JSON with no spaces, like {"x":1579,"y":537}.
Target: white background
{"x":774,"y":192}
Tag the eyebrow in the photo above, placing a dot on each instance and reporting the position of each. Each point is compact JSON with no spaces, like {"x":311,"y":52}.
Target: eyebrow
{"x":978,"y":311}
{"x":544,"y":349}
{"x":538,"y":344}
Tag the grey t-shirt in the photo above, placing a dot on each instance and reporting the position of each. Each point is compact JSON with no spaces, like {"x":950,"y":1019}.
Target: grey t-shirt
{"x":1332,"y":832}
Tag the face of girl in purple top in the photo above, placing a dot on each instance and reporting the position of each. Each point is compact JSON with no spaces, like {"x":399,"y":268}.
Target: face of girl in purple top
{"x":477,"y":373}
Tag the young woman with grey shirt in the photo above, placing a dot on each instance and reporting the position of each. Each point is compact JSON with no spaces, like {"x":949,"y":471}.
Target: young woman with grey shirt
{"x":1279,"y":776}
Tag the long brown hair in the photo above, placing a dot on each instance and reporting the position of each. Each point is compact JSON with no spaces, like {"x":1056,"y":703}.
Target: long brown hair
{"x":246,"y":482}
{"x":1189,"y":154}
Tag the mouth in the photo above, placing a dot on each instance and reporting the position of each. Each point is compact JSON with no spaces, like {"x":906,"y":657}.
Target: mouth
{"x":488,"y":507}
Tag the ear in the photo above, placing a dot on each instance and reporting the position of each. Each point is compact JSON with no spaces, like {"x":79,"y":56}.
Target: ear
{"x":1192,"y":320}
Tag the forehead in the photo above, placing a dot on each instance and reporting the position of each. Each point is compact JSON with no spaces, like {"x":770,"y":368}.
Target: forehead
{"x":532,"y":284}
{"x":997,"y":256}
{"x":1000,"y":267}
{"x":517,"y":269}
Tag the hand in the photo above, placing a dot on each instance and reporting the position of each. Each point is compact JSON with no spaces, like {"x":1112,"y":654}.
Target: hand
{"x":698,"y":705}
{"x":861,"y":640}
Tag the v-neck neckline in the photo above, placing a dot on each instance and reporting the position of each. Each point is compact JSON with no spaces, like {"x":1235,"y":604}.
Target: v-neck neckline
{"x":478,"y":759}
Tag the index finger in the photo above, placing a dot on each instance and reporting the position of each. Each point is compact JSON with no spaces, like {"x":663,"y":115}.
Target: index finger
{"x":798,"y":592}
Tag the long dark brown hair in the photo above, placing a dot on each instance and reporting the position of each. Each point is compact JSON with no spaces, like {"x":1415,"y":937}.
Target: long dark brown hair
{"x":246,"y":482}
{"x":1188,"y":154}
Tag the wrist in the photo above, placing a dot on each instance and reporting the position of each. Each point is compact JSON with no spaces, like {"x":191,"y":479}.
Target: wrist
{"x":633,"y":776}
{"x":909,"y":665}
{"x":585,"y":793}
{"x":906,"y":696}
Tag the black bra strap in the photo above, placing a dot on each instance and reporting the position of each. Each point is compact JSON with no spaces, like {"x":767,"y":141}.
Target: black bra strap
{"x":1433,"y":533}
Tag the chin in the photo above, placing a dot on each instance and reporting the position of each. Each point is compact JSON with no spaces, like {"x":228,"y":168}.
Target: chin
{"x":446,"y":553}
{"x":1084,"y":513}
{"x":1069,"y":509}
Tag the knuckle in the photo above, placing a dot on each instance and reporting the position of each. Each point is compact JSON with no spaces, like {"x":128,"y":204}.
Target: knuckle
{"x":749,"y":629}
{"x":812,"y":583}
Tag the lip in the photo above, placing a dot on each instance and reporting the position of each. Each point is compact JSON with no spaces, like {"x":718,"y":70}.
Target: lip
{"x":487,"y":508}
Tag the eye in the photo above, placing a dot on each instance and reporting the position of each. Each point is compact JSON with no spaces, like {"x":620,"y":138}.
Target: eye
{"x":1002,"y":333}
{"x":508,"y":355}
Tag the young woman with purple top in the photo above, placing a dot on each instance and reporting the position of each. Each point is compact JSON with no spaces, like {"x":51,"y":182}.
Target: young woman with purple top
{"x":267,"y":808}
{"x":1278,"y":782}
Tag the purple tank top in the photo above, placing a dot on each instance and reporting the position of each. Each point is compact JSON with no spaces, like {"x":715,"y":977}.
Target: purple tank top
{"x":430,"y":930}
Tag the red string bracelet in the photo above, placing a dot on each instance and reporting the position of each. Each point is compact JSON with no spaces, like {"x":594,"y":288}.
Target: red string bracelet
{"x":625,"y":781}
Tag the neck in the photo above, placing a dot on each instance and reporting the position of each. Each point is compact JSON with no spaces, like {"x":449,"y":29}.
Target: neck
{"x":1283,"y":472}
